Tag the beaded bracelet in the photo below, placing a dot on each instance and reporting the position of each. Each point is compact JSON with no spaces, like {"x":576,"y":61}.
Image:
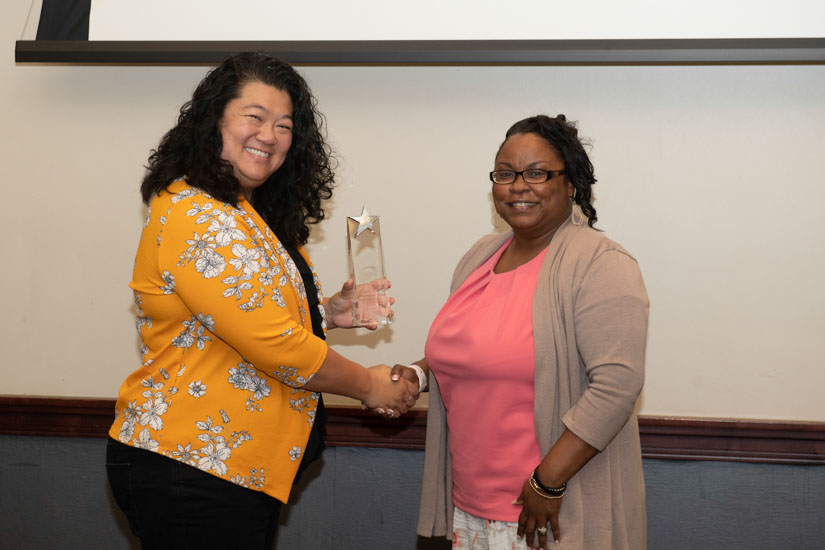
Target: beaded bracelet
{"x":552,"y":491}
{"x":541,"y":493}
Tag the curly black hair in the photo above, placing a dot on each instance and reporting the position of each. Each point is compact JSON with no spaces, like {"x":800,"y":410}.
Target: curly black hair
{"x":290,"y":199}
{"x":563,"y":136}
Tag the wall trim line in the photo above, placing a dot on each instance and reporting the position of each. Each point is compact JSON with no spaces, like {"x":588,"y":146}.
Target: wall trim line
{"x":662,"y":437}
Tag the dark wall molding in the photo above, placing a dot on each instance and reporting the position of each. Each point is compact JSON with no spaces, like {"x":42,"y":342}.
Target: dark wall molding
{"x":435,"y":52}
{"x":762,"y":441}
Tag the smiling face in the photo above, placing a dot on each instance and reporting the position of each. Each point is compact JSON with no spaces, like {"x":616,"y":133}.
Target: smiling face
{"x":533,"y":211}
{"x":256,"y":129}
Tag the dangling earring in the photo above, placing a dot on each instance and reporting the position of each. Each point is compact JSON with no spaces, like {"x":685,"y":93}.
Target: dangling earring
{"x":577,"y":217}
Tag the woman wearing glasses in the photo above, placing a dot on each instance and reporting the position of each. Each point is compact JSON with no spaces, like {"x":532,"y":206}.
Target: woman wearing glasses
{"x":538,"y":358}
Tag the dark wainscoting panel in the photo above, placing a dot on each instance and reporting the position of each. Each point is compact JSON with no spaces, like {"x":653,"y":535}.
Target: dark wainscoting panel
{"x":759,"y":441}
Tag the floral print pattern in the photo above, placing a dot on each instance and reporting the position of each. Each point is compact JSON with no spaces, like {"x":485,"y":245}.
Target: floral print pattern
{"x":220,"y":304}
{"x":475,"y":533}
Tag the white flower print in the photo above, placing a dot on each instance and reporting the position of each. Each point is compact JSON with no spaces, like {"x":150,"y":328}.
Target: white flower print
{"x":198,"y":245}
{"x":191,"y":334}
{"x":201,"y":339}
{"x":241,"y":377}
{"x":236,"y":287}
{"x":169,"y":279}
{"x":299,"y":404}
{"x":197,"y":389}
{"x":208,"y":427}
{"x":145,"y":441}
{"x":153,"y":410}
{"x":142,"y":321}
{"x":202,"y":212}
{"x":239,"y":437}
{"x":150,"y":383}
{"x":190,"y":323}
{"x":185,"y":454}
{"x":185,"y":194}
{"x":246,"y":259}
{"x":207,"y":321}
{"x":256,"y":479}
{"x":127,"y":431}
{"x":255,"y":301}
{"x":289,"y":376}
{"x":259,"y":388}
{"x":226,"y":229}
{"x":244,"y":377}
{"x":295,"y":453}
{"x":213,"y":457}
{"x":183,"y":340}
{"x":210,"y":264}
{"x":131,"y":411}
{"x":278,"y":298}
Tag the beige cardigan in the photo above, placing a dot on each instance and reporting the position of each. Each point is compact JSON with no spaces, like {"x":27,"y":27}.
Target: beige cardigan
{"x":590,"y":314}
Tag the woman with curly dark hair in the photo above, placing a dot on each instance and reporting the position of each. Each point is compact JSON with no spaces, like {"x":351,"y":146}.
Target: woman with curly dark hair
{"x":546,"y":325}
{"x":225,"y":411}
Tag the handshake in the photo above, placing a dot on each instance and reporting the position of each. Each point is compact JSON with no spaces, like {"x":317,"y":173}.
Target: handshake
{"x":393,"y":391}
{"x":389,"y":392}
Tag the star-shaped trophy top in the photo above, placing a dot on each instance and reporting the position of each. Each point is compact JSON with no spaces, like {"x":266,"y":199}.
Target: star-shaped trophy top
{"x":365,"y":221}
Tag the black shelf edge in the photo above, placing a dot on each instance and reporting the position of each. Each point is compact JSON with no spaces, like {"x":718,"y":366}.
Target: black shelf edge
{"x":435,"y":52}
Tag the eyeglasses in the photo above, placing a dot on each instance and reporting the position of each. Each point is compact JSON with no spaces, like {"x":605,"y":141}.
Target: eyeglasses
{"x":532,"y":175}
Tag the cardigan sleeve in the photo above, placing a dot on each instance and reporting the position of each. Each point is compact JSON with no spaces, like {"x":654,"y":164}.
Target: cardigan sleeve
{"x":610,"y":319}
{"x":230,"y":282}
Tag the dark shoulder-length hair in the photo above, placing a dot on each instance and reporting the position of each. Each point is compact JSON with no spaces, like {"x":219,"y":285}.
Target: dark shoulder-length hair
{"x":290,"y":199}
{"x":563,"y":136}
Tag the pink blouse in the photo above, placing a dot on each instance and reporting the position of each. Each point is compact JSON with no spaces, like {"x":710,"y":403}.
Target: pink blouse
{"x":480,"y":349}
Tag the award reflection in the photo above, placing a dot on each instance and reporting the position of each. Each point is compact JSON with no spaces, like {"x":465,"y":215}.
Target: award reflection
{"x":371,"y":299}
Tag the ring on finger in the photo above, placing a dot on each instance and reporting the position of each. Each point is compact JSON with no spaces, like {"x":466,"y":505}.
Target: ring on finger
{"x":541,"y":530}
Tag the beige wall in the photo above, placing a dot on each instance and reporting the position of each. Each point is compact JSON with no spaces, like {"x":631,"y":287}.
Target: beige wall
{"x":711,"y":176}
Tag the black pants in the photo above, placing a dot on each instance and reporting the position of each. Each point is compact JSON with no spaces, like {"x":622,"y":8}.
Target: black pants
{"x":172,"y":505}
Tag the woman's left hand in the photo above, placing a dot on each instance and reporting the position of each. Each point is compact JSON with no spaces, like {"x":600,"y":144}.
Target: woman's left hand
{"x":536,"y":513}
{"x":339,"y":307}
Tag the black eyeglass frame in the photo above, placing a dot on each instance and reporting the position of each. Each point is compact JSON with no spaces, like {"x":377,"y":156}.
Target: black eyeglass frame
{"x":548,"y":175}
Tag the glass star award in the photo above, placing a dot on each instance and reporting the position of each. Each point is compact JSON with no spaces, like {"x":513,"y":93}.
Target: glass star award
{"x":371,"y":298}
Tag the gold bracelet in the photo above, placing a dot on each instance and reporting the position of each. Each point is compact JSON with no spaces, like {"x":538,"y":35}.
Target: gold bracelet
{"x":541,"y":493}
{"x":547,"y":490}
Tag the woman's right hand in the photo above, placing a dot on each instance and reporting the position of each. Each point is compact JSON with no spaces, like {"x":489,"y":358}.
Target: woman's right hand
{"x":403,"y":371}
{"x":388,"y":397}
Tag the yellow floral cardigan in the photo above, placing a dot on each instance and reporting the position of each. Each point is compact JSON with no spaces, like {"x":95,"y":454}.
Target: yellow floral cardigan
{"x":226,"y":340}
